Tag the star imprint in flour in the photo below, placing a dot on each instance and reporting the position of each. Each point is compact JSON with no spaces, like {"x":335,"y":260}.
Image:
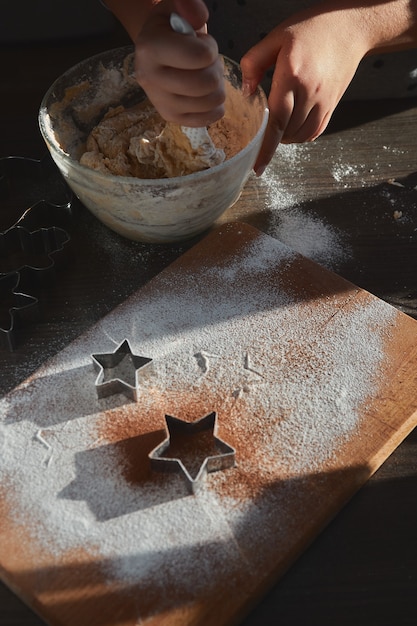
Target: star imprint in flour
{"x":118,"y":371}
{"x":192,"y":449}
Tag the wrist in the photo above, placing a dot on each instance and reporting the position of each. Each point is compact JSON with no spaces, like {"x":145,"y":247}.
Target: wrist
{"x":377,"y":27}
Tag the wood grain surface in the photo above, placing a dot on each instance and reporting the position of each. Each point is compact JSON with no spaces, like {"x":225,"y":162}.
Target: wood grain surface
{"x":313,"y":381}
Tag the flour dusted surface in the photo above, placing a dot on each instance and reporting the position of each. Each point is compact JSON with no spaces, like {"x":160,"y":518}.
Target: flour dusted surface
{"x":289,"y":369}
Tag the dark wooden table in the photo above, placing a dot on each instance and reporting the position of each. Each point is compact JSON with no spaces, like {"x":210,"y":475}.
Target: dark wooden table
{"x":350,"y":202}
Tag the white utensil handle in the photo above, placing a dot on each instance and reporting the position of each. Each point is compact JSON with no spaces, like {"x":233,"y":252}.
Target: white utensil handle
{"x":180,"y":25}
{"x":198,"y":137}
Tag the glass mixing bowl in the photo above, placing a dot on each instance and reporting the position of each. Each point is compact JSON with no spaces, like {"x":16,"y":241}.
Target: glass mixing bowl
{"x":151,"y":210}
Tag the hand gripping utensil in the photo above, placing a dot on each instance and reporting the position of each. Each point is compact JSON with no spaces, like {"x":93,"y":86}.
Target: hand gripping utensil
{"x":199,"y":138}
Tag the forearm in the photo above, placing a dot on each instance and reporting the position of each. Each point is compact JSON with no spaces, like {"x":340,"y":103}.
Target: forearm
{"x":393,"y":24}
{"x":131,"y":14}
{"x":384,"y":25}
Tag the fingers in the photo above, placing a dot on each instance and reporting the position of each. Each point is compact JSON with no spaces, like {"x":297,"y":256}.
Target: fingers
{"x":299,"y":104}
{"x":255,"y":63}
{"x":304,"y":120}
{"x":181,"y":74}
{"x":313,"y":126}
{"x":189,"y":110}
{"x":195,"y":12}
{"x":277,"y":123}
{"x":191,"y":97}
{"x":293,"y":118}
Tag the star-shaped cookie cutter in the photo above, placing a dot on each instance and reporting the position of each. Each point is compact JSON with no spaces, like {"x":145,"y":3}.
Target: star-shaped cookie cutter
{"x":176,"y":452}
{"x":118,"y":371}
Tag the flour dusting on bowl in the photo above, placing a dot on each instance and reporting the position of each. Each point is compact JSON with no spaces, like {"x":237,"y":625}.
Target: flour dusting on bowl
{"x":153,"y":210}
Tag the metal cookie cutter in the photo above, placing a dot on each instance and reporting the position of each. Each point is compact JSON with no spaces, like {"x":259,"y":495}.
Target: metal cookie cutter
{"x":192,"y":449}
{"x":29,"y":246}
{"x":26,"y":262}
{"x":20,"y":249}
{"x":15,"y":306}
{"x":35,"y":192}
{"x":118,"y":371}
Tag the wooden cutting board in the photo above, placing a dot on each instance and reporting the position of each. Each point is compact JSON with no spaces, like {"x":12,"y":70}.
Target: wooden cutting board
{"x":313,"y":382}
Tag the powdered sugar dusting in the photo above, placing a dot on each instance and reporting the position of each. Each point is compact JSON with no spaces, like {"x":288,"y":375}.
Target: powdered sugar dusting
{"x":346,"y":172}
{"x":302,"y":230}
{"x":288,"y":373}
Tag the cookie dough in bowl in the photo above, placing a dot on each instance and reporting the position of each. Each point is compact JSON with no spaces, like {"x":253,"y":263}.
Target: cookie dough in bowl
{"x":136,"y":174}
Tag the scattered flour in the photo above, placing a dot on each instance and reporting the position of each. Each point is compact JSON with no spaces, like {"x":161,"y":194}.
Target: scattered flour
{"x":288,"y":377}
{"x":342,"y":172}
{"x":301,"y":230}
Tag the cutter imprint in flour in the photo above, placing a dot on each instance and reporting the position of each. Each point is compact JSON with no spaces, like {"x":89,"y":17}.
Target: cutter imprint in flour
{"x":35,"y":193}
{"x":192,"y":449}
{"x":119,"y":371}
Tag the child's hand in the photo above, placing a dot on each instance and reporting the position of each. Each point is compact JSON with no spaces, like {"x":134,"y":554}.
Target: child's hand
{"x":182,"y":75}
{"x":315,"y":58}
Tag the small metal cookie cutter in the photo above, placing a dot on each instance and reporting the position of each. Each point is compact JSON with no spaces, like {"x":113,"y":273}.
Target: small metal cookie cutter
{"x":30,"y":246}
{"x":118,"y":371}
{"x":34,"y":250}
{"x":27,"y":262}
{"x":15,"y":307}
{"x":178,"y":450}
